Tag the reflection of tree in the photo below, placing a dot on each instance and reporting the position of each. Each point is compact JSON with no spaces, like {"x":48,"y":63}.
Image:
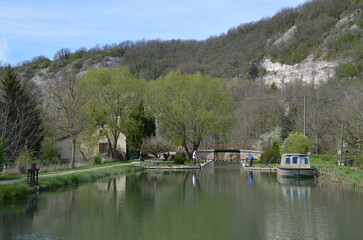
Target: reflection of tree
{"x":191,"y":177}
{"x":18,"y":219}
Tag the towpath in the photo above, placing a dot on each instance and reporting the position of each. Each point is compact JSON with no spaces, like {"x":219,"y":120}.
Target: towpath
{"x":64,"y":173}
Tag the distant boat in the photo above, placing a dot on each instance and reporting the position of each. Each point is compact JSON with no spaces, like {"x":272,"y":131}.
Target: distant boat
{"x":295,"y":165}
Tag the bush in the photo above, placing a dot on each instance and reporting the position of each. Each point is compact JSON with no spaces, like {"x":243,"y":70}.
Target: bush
{"x":24,"y":160}
{"x":97,"y":159}
{"x":49,"y":152}
{"x":347,"y":70}
{"x":271,"y":154}
{"x":296,"y":143}
{"x":182,"y":154}
{"x":179,"y":159}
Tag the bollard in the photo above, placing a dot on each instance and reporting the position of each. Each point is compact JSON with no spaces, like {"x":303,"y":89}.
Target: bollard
{"x":32,"y":177}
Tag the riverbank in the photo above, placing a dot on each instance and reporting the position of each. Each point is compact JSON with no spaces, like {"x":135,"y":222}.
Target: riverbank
{"x":171,"y":166}
{"x":329,"y":170}
{"x":19,"y":190}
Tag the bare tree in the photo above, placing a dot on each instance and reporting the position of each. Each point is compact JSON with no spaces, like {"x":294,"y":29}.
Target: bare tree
{"x":65,"y":100}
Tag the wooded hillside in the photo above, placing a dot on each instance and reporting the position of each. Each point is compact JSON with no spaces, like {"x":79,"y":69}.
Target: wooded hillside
{"x":329,"y":112}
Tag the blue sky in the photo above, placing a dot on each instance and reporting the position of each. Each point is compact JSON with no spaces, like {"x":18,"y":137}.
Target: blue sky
{"x":30,"y":28}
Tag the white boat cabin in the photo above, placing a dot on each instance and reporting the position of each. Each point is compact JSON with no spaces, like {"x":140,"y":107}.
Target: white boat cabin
{"x":295,"y":161}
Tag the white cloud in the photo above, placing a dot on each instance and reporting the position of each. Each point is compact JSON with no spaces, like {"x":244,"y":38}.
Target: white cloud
{"x":4,"y":49}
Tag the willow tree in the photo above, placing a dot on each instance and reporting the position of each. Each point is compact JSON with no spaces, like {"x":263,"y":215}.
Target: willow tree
{"x":113,"y":94}
{"x":190,"y":107}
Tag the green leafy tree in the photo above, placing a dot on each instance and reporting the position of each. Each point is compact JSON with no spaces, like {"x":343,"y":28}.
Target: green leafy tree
{"x":191,"y":107}
{"x":113,"y":95}
{"x":296,"y":143}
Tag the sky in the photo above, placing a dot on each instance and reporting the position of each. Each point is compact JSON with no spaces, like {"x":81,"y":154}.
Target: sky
{"x":30,"y":28}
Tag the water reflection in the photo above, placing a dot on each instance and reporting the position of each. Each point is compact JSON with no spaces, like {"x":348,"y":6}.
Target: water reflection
{"x":250,"y":177}
{"x":296,"y":187}
{"x":219,"y":202}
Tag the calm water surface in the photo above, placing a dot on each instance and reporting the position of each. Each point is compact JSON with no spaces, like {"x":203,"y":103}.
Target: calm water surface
{"x":220,"y":202}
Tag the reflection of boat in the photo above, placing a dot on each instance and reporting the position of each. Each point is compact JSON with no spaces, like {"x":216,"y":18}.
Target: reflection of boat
{"x":296,"y":187}
{"x":295,"y":165}
{"x":297,"y":181}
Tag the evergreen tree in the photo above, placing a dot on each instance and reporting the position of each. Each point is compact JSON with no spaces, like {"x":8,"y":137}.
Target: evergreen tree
{"x":141,"y":125}
{"x":20,"y":115}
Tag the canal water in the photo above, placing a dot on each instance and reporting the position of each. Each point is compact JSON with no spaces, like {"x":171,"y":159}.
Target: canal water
{"x":222,"y":202}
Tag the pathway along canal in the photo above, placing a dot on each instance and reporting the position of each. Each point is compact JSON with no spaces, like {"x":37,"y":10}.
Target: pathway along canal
{"x":222,"y":201}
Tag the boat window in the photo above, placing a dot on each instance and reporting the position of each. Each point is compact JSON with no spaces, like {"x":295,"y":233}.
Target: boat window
{"x":294,"y":160}
{"x":305,"y":160}
{"x":287,"y":160}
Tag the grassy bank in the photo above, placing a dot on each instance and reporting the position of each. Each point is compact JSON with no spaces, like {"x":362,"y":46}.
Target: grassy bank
{"x":56,"y":168}
{"x":327,"y":164}
{"x":17,"y":191}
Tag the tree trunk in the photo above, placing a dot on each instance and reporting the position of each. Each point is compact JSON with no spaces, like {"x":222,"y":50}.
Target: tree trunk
{"x":73,"y":160}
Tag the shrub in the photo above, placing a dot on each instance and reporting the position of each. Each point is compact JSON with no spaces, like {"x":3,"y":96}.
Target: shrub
{"x":296,"y":143}
{"x":179,"y":159}
{"x":24,"y":160}
{"x":182,"y":154}
{"x":271,"y":154}
{"x":49,"y":152}
{"x":97,"y":159}
{"x":347,"y":70}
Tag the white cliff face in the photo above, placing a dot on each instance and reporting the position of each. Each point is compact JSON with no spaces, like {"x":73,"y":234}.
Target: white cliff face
{"x":308,"y":71}
{"x":289,"y":34}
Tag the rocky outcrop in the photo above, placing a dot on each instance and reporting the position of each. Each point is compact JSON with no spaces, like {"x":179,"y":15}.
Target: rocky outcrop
{"x":308,"y":71}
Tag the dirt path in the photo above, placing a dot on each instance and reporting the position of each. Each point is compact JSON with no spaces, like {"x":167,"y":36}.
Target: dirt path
{"x":64,"y":173}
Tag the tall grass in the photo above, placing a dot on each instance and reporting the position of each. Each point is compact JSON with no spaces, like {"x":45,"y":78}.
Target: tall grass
{"x":328,"y":165}
{"x":16,"y":191}
{"x":13,"y":192}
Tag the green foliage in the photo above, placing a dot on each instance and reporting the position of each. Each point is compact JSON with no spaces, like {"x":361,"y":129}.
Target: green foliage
{"x":269,"y":143}
{"x":190,"y":107}
{"x":182,"y":154}
{"x":17,"y":191}
{"x":24,"y":160}
{"x":97,"y":159}
{"x":20,"y":114}
{"x":13,"y":192}
{"x":296,"y":143}
{"x":141,"y":125}
{"x":347,"y":44}
{"x":178,"y":159}
{"x":328,"y":164}
{"x":347,"y":70}
{"x":113,"y":95}
{"x":271,"y":153}
{"x":49,"y":152}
